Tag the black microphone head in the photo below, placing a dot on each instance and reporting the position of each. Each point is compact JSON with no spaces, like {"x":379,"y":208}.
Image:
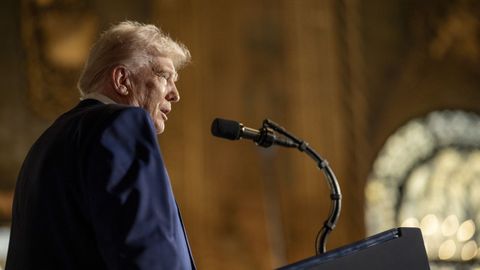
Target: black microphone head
{"x":227,"y":129}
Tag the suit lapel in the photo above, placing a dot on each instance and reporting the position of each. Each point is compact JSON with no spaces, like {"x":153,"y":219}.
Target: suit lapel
{"x":186,"y":238}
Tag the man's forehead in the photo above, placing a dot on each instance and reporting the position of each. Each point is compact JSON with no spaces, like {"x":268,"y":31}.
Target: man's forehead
{"x":164,"y":63}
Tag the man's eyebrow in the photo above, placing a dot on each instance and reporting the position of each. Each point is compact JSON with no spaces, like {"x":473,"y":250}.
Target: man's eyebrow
{"x":171,"y":72}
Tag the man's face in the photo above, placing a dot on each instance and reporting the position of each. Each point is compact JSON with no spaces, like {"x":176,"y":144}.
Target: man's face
{"x":154,"y":90}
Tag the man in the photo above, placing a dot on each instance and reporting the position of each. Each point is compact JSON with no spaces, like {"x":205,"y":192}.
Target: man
{"x":93,"y":192}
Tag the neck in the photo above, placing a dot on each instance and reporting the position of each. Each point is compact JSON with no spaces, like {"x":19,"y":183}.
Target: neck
{"x":113,"y":95}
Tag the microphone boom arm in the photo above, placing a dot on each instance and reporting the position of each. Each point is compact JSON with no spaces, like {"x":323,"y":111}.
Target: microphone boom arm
{"x":335,"y":193}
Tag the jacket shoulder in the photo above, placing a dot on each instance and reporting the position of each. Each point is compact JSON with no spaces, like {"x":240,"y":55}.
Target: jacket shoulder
{"x":96,"y":117}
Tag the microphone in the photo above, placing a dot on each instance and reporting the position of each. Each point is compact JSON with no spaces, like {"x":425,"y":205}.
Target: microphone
{"x":234,"y":130}
{"x":266,"y":137}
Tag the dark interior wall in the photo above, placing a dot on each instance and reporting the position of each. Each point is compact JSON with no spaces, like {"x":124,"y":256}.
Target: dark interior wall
{"x":19,"y":126}
{"x":406,"y":76}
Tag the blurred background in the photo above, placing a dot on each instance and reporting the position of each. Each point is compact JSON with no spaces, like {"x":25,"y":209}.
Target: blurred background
{"x":387,"y":91}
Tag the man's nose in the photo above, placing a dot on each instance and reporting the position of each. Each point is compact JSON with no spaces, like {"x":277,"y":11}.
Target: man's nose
{"x":173,"y":95}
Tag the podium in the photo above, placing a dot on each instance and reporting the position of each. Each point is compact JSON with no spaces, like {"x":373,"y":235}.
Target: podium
{"x":395,"y":249}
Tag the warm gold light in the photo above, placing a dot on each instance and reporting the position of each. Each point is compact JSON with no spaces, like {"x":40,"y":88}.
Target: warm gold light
{"x":410,"y":222}
{"x":43,"y":3}
{"x":431,"y":252}
{"x":447,"y":250}
{"x":466,"y":230}
{"x":68,"y":40}
{"x":469,"y":250}
{"x":429,"y":224}
{"x":450,"y":226}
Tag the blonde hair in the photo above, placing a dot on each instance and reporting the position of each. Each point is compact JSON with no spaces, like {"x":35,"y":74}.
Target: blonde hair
{"x":131,"y":44}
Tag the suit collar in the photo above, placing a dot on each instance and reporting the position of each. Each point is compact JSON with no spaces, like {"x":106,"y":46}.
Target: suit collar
{"x":88,"y":102}
{"x":97,"y":96}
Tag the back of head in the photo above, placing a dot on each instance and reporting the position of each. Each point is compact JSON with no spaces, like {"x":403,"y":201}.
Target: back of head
{"x":131,"y":44}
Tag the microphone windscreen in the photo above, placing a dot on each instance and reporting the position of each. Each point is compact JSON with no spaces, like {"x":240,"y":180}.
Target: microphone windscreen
{"x":227,"y":129}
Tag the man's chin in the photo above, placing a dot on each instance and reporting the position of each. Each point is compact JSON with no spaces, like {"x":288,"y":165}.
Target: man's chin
{"x":159,"y":127}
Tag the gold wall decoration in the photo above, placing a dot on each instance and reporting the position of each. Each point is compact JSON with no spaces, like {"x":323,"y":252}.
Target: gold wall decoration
{"x":458,"y":33}
{"x":57,"y":35}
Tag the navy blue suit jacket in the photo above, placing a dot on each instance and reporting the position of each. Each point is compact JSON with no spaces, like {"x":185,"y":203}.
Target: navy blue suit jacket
{"x":93,"y":193}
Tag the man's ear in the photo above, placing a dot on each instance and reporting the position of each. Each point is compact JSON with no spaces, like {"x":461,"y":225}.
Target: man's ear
{"x":121,"y":80}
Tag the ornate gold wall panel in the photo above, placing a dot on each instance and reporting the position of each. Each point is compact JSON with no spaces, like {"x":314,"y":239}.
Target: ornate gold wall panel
{"x":57,"y":35}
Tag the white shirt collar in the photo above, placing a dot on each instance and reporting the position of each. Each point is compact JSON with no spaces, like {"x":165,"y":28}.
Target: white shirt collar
{"x":97,"y":96}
